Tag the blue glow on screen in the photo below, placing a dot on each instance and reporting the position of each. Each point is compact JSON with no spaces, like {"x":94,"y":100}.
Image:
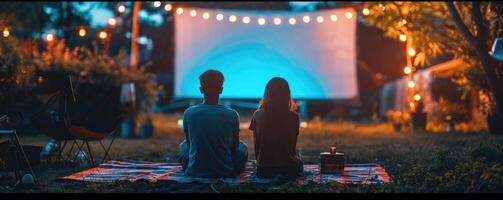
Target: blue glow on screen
{"x":317,"y":60}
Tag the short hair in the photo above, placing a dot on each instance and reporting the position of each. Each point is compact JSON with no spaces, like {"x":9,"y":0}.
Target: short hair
{"x":211,"y":79}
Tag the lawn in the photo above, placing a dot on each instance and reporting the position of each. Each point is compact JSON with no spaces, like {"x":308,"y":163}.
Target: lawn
{"x":415,"y":161}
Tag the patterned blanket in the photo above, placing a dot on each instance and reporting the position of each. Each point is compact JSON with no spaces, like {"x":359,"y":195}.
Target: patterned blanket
{"x":130,"y":170}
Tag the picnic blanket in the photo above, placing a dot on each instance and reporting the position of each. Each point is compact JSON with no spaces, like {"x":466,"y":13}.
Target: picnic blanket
{"x":131,"y":170}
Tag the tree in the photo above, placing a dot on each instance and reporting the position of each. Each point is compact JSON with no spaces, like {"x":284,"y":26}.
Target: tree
{"x":465,"y":30}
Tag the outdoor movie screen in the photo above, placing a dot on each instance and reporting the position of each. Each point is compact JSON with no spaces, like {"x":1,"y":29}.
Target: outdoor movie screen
{"x":314,"y":51}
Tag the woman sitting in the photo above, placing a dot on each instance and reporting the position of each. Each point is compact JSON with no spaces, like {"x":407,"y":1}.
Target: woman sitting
{"x":275,"y":127}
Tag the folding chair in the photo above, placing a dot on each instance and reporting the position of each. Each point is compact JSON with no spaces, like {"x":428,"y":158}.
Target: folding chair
{"x":14,"y":142}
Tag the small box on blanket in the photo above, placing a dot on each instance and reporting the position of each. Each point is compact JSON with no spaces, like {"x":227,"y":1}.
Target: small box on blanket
{"x":332,"y":163}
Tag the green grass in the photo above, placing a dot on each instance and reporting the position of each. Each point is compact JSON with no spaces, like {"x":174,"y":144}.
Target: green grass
{"x":415,"y":161}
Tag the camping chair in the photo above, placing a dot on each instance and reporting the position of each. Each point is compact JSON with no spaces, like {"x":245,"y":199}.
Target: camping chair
{"x":71,"y":129}
{"x":18,"y":155}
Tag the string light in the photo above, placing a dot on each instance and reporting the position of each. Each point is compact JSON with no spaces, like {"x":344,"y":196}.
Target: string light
{"x":292,"y":21}
{"x":407,"y":70}
{"x":349,"y":15}
{"x":412,"y":105}
{"x":193,"y":13}
{"x":403,"y":37}
{"x":82,"y":32}
{"x":157,"y":4}
{"x":277,"y":21}
{"x":306,"y":19}
{"x":411,"y":84}
{"x":112,"y":21}
{"x":319,"y":19}
{"x":168,"y":7}
{"x":220,"y":17}
{"x":333,"y":18}
{"x":411,"y":52}
{"x":179,"y":11}
{"x":366,"y":11}
{"x":121,"y":8}
{"x":6,"y":33}
{"x":233,"y":18}
{"x":246,"y":19}
{"x":49,"y":37}
{"x":417,"y":97}
{"x":404,"y":21}
{"x":103,"y":35}
{"x":206,"y":15}
{"x":261,"y":21}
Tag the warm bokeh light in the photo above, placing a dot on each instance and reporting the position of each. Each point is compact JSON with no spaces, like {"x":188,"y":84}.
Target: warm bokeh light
{"x":292,"y":21}
{"x":49,"y":37}
{"x":277,"y":21}
{"x":112,"y":21}
{"x":220,"y":17}
{"x":193,"y":13}
{"x":246,"y":19}
{"x":320,"y":19}
{"x":303,"y":124}
{"x":157,"y":4}
{"x":121,"y":8}
{"x":168,"y":7}
{"x":179,"y":11}
{"x":233,"y":18}
{"x":306,"y":19}
{"x":103,"y":35}
{"x":411,"y":52}
{"x":261,"y":21}
{"x":206,"y":15}
{"x":403,"y":37}
{"x":417,"y":97}
{"x":407,"y":70}
{"x":404,"y":21}
{"x":411,"y":84}
{"x":349,"y":15}
{"x":6,"y":33}
{"x":366,"y":11}
{"x":82,"y":32}
{"x":333,"y":18}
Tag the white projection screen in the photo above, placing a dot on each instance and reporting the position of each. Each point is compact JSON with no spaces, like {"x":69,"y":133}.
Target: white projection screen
{"x":318,"y":58}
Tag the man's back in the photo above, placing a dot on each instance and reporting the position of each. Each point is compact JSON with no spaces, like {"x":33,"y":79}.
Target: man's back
{"x":210,"y":131}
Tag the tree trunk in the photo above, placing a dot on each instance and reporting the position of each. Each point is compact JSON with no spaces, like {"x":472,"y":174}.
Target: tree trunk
{"x":481,"y":50}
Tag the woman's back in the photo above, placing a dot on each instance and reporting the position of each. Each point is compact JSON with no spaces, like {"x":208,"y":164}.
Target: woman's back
{"x":275,"y":137}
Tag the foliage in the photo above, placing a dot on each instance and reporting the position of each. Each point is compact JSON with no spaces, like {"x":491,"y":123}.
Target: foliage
{"x":94,"y":66}
{"x":433,"y":32}
{"x":398,"y":118}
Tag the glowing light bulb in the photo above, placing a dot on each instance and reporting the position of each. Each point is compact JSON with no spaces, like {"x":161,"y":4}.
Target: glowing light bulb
{"x":179,"y":11}
{"x":193,"y":13}
{"x":277,"y":21}
{"x":103,"y":35}
{"x":333,"y":18}
{"x":366,"y":11}
{"x":112,"y":21}
{"x":206,"y":15}
{"x":246,"y":19}
{"x":403,"y":37}
{"x":407,"y":70}
{"x":303,"y":124}
{"x":320,"y":19}
{"x":306,"y":19}
{"x":417,"y":97}
{"x":168,"y":7}
{"x":261,"y":21}
{"x":233,"y":18}
{"x":349,"y":15}
{"x":49,"y":37}
{"x":292,"y":21}
{"x":220,"y":17}
{"x":157,"y":4}
{"x":82,"y":32}
{"x":411,"y":52}
{"x":411,"y":84}
{"x":121,"y":8}
{"x":6,"y":33}
{"x":404,"y":21}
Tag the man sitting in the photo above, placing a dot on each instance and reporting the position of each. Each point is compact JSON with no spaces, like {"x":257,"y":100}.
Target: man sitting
{"x":212,"y":148}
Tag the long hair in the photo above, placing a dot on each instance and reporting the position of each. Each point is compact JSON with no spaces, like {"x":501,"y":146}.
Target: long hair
{"x":277,"y":97}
